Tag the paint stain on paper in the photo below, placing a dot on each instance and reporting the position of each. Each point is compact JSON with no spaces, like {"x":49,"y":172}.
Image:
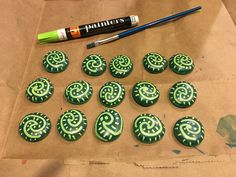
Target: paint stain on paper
{"x":176,"y":151}
{"x":227,"y":128}
{"x":23,"y":161}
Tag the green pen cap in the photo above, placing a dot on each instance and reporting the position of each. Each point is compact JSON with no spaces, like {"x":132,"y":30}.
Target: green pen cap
{"x":51,"y":36}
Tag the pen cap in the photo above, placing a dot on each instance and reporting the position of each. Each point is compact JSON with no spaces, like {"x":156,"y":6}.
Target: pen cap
{"x":134,"y":20}
{"x":51,"y":36}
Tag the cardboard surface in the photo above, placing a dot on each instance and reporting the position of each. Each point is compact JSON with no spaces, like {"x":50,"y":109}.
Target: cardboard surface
{"x":207,"y":36}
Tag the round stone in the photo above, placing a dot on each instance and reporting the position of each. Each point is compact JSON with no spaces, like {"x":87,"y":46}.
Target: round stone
{"x":182,"y":94}
{"x":94,"y":65}
{"x":181,"y":64}
{"x":145,"y":93}
{"x":39,"y":90}
{"x":148,"y":128}
{"x":78,"y":92}
{"x":154,"y":63}
{"x":72,"y":124}
{"x":121,"y":66}
{"x":189,"y":131}
{"x":112,"y":94}
{"x":109,"y":125}
{"x":34,"y":127}
{"x":55,"y":61}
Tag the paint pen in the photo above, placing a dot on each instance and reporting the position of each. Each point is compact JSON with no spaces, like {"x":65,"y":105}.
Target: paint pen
{"x":88,"y":29}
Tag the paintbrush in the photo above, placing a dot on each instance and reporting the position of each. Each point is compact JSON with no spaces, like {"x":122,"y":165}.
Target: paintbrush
{"x":141,"y":28}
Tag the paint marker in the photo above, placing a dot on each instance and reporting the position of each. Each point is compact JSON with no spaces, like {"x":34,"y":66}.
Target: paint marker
{"x":88,"y":29}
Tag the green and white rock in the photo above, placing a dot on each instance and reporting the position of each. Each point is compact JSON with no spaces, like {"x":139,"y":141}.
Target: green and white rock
{"x":148,"y":128}
{"x":78,"y":92}
{"x":154,"y":63}
{"x":39,"y":90}
{"x":145,"y":93}
{"x":72,"y":125}
{"x":34,"y":127}
{"x":189,"y":131}
{"x":55,"y":61}
{"x":109,"y":125}
{"x":121,"y":66}
{"x":94,"y":65}
{"x":112,"y":94}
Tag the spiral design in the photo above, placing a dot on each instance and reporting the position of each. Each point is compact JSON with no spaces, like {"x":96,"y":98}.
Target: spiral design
{"x":154,"y":63}
{"x":39,"y":90}
{"x":145,"y":93}
{"x":183,"y":94}
{"x":94,"y":65}
{"x":109,"y":125}
{"x":148,"y":128}
{"x":78,"y":92}
{"x":112,"y":94}
{"x":34,"y":127}
{"x":121,"y":66}
{"x":189,"y":131}
{"x":55,"y":61}
{"x":181,"y":64}
{"x":72,"y":125}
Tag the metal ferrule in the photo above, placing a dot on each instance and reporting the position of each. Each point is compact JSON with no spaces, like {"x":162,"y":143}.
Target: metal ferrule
{"x":106,"y":40}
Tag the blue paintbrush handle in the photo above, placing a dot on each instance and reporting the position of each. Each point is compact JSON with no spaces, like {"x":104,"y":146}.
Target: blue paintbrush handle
{"x":165,"y":19}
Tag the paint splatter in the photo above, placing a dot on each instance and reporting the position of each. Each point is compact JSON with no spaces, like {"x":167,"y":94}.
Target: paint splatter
{"x":227,"y":128}
{"x":23,"y":161}
{"x":176,"y":151}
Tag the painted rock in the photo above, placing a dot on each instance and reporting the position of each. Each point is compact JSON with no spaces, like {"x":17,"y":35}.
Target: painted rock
{"x":78,"y":92}
{"x":72,"y":124}
{"x":34,"y":127}
{"x":39,"y":90}
{"x":55,"y":61}
{"x":112,"y":94}
{"x":109,"y":125}
{"x":154,"y":63}
{"x":148,"y":128}
{"x":189,"y":131}
{"x":145,"y":93}
{"x":121,"y":66}
{"x":182,"y":94}
{"x":181,"y":64}
{"x":94,"y":65}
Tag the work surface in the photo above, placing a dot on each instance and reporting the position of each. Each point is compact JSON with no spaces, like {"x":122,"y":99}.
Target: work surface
{"x":208,"y":37}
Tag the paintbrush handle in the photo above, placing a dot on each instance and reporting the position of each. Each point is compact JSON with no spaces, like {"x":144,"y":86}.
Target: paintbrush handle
{"x":165,"y":19}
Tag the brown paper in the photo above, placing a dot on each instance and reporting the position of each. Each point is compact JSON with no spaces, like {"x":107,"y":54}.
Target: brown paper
{"x":207,"y":36}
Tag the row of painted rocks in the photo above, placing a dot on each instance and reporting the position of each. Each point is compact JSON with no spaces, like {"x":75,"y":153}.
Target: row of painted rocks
{"x":147,"y":128}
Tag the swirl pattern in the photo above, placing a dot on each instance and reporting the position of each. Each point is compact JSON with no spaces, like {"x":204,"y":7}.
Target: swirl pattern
{"x":55,"y":61}
{"x":121,"y":66}
{"x":154,"y":63}
{"x":109,"y":125}
{"x":148,"y":128}
{"x":34,"y":127}
{"x":39,"y":90}
{"x":72,"y":124}
{"x":181,"y":64}
{"x":189,"y":131}
{"x":145,"y":93}
{"x":183,"y":94}
{"x":94,"y":65}
{"x":78,"y":92}
{"x":112,"y":94}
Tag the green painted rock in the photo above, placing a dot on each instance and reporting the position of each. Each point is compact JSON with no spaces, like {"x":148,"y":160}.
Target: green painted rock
{"x":189,"y":131}
{"x":34,"y":127}
{"x":94,"y":65}
{"x":181,"y":64}
{"x":121,"y":66}
{"x":55,"y":61}
{"x":145,"y":93}
{"x":39,"y":90}
{"x":154,"y":63}
{"x":112,"y":94}
{"x":148,"y":128}
{"x":109,"y":125}
{"x":78,"y":92}
{"x":72,"y":124}
{"x":183,"y":94}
